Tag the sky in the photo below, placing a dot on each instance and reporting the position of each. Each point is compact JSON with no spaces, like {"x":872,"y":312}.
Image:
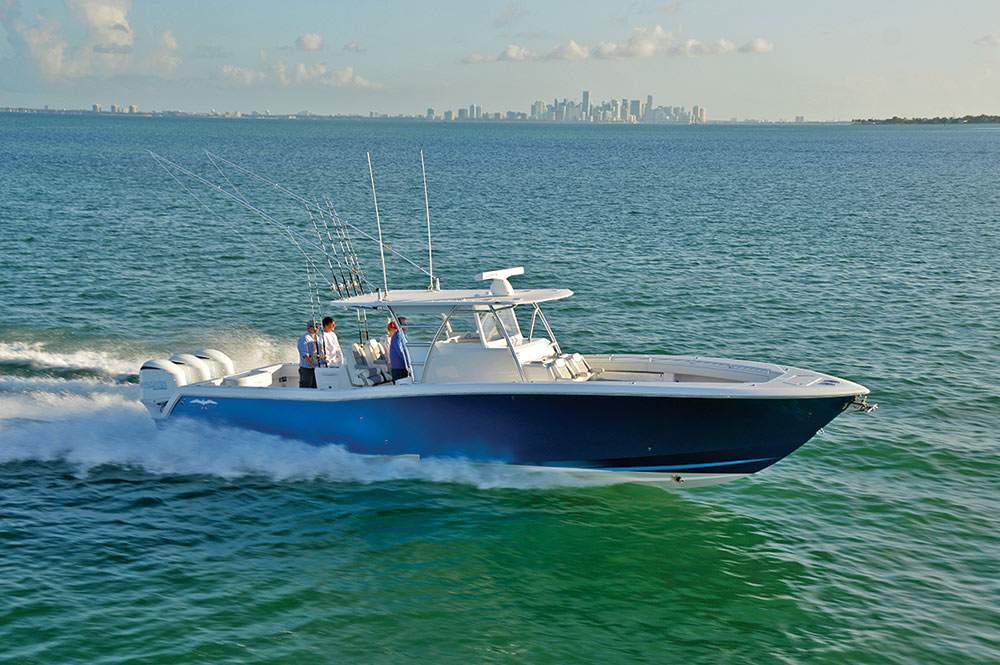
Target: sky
{"x":762,"y":59}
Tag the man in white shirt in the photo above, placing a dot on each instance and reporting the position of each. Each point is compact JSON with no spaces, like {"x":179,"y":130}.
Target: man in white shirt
{"x":331,"y":345}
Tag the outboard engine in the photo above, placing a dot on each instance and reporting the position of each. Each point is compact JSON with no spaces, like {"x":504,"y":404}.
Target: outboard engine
{"x":158,"y":381}
{"x":218,"y":362}
{"x":194,"y":368}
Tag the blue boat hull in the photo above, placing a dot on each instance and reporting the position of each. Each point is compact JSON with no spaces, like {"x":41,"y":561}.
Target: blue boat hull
{"x":615,"y":433}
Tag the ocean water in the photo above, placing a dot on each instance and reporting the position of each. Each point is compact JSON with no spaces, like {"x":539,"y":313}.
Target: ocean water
{"x":871,"y":253}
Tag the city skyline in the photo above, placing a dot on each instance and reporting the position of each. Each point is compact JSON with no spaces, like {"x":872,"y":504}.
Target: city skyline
{"x":775,"y":60}
{"x":614,"y":110}
{"x":625,"y":110}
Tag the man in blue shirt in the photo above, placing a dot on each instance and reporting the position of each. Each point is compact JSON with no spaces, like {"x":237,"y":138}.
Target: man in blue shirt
{"x":397,"y":358}
{"x":308,"y":356}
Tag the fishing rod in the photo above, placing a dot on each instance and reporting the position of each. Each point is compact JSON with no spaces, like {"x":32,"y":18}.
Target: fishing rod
{"x":346,"y":248}
{"x":335,"y":285}
{"x":244,"y":196}
{"x":164,"y":161}
{"x":333,"y":247}
{"x":344,"y":234}
{"x":207,"y":207}
{"x":306,"y":201}
{"x":328,"y":262}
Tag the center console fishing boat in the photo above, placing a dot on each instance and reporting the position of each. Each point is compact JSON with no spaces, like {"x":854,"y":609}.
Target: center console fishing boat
{"x":489,"y":382}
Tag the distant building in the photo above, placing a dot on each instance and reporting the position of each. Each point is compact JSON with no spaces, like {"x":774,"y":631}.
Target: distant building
{"x":463,"y":114}
{"x":800,"y":118}
{"x":133,"y":109}
{"x":430,"y":113}
{"x":97,"y":108}
{"x":586,"y":104}
{"x":449,"y":115}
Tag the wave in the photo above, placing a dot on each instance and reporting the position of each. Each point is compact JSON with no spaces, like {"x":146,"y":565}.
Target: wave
{"x":247,"y":348}
{"x":36,"y":356}
{"x":49,"y":384}
{"x":120,"y":433}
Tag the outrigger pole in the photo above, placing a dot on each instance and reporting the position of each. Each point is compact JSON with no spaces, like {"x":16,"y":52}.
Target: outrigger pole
{"x":378,"y":220}
{"x":427,"y":207}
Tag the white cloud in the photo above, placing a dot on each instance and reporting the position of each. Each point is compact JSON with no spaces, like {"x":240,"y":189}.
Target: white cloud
{"x":298,"y":74}
{"x":758,"y":45}
{"x":169,"y":41}
{"x":309,"y":42}
{"x":106,"y":46}
{"x":353,"y":48}
{"x":40,"y":43}
{"x":516,"y":53}
{"x":242,"y":75}
{"x":348,"y":78}
{"x":692,"y":48}
{"x":106,"y":22}
{"x":162,"y":58}
{"x":643,"y":43}
{"x":570,"y":51}
{"x":992,"y":39}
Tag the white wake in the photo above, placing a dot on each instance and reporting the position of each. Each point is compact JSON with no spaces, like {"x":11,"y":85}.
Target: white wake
{"x":97,"y":422}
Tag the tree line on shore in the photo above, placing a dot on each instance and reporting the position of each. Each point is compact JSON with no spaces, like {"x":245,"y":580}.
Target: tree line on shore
{"x":896,"y":120}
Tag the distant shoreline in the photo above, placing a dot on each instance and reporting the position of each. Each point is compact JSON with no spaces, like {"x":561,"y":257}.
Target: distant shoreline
{"x":895,"y":120}
{"x":964,"y":120}
{"x":236,"y":115}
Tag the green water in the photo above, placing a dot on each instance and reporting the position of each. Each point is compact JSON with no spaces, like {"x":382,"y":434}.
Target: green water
{"x":870,"y":253}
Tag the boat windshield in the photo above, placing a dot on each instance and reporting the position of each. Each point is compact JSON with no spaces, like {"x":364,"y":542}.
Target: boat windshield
{"x":461,"y":327}
{"x":492,"y":332}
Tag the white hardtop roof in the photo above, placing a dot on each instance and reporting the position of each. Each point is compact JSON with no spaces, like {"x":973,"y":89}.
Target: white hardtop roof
{"x":446,"y":299}
{"x":500,"y":294}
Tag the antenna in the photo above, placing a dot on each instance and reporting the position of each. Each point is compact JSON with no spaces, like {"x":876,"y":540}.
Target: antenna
{"x":427,"y":206}
{"x":378,"y":220}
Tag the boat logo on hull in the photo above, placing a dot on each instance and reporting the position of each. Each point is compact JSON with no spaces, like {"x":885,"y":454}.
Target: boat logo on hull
{"x":204,"y":403}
